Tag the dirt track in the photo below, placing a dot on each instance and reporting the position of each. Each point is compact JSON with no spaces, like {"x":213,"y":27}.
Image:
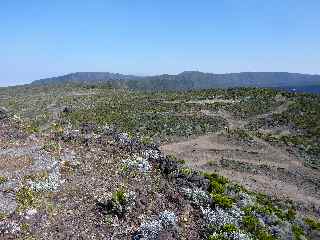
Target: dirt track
{"x":259,"y":165}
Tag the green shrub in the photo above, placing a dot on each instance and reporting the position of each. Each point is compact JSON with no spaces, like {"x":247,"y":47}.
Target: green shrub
{"x":241,"y":134}
{"x":25,"y":227}
{"x":222,"y":200}
{"x":3,"y":216}
{"x":146,"y":140}
{"x":181,"y":161}
{"x":250,"y":223}
{"x":297,"y":231}
{"x":119,"y":196}
{"x":185,"y":171}
{"x":228,"y":228}
{"x":33,"y":127}
{"x":237,"y":188}
{"x":217,"y":183}
{"x":270,"y":209}
{"x":313,"y":224}
{"x":217,"y":237}
{"x":216,"y":187}
{"x":3,"y":179}
{"x":263,"y":199}
{"x":264,"y":235}
{"x":25,"y":198}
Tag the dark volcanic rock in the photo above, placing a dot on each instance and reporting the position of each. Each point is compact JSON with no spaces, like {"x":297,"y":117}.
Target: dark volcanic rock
{"x":199,"y":181}
{"x":4,"y":113}
{"x":168,"y":166}
{"x":87,"y":128}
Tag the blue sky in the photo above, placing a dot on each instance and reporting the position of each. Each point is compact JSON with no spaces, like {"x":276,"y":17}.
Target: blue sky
{"x":41,"y":39}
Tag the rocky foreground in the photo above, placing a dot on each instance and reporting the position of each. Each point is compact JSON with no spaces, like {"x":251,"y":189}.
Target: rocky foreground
{"x":98,"y":183}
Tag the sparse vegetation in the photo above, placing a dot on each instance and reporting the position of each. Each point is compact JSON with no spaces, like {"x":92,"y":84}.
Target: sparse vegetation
{"x":252,"y":225}
{"x":222,"y":200}
{"x":52,"y":146}
{"x":119,"y":197}
{"x":217,"y":183}
{"x":185,"y":171}
{"x":297,"y":231}
{"x":25,"y":198}
{"x":167,"y":191}
{"x":3,"y":216}
{"x":313,"y":224}
{"x":3,"y":179}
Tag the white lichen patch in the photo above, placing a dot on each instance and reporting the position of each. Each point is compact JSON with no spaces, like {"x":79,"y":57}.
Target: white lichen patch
{"x":168,"y":219}
{"x":123,"y":138}
{"x":238,"y":235}
{"x":50,"y":184}
{"x":220,"y":217}
{"x":151,"y":154}
{"x":197,"y":196}
{"x":150,"y":229}
{"x":137,"y":163}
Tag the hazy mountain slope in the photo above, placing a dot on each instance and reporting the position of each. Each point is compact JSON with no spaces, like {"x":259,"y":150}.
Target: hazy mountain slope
{"x":190,"y":80}
{"x":85,"y":77}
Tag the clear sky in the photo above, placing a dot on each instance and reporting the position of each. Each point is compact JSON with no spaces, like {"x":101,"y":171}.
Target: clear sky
{"x":40,"y":38}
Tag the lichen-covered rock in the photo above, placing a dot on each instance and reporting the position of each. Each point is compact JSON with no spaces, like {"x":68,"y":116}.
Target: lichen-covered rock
{"x":152,"y":154}
{"x":71,"y":135}
{"x":137,"y":163}
{"x":8,"y":185}
{"x":153,"y":229}
{"x":197,"y":196}
{"x":238,"y":235}
{"x":52,"y":183}
{"x":168,"y":219}
{"x":219,"y":217}
{"x":8,"y":203}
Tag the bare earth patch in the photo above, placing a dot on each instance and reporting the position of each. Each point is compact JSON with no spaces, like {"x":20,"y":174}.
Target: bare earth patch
{"x":14,"y":163}
{"x":256,"y":164}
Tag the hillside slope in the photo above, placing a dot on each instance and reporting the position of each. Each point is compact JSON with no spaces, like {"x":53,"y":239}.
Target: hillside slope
{"x":97,"y":163}
{"x":189,"y":80}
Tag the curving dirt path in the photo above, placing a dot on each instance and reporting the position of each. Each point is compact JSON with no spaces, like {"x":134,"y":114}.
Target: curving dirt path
{"x":257,"y":165}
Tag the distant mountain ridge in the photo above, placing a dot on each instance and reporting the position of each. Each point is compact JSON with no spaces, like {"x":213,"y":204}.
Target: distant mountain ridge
{"x":188,"y":80}
{"x":85,"y":77}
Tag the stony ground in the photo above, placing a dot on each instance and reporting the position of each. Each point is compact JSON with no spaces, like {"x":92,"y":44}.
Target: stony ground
{"x":71,"y":176}
{"x":66,"y":190}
